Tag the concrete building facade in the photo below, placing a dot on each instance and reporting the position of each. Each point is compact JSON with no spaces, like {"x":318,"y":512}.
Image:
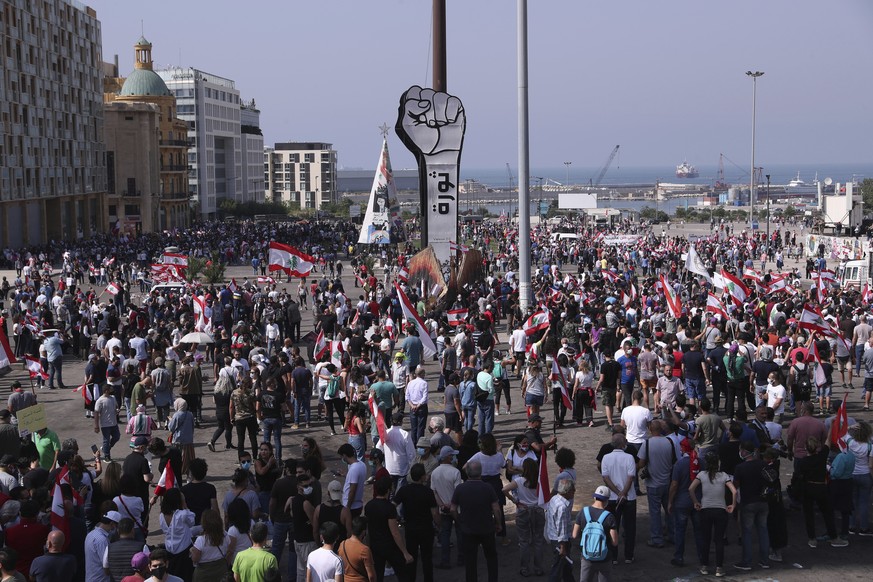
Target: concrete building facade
{"x":52,"y":160}
{"x":211,"y":106}
{"x":252,"y":151}
{"x":302,"y":174}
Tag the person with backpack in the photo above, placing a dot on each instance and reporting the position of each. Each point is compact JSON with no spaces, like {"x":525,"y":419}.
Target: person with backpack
{"x":597,"y":532}
{"x":800,"y":382}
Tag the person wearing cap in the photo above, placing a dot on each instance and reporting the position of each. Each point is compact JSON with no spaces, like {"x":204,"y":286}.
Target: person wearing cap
{"x":96,"y":544}
{"x":54,"y":565}
{"x":558,"y":529}
{"x":141,"y":424}
{"x":590,"y":570}
{"x":333,"y":510}
{"x":19,"y":399}
{"x":535,"y":437}
{"x":139,"y":563}
{"x":136,"y":465}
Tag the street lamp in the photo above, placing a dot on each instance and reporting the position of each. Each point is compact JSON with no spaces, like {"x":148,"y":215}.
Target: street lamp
{"x":567,"y":183}
{"x":768,"y":214}
{"x":754,"y":76}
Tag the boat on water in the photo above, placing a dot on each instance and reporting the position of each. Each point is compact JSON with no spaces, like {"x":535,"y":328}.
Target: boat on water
{"x":686,"y":170}
{"x":798,"y":186}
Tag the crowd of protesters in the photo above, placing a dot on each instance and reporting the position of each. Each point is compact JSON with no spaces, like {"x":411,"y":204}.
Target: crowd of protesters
{"x":715,"y":381}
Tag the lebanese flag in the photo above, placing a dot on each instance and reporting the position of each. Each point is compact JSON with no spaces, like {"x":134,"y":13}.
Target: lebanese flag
{"x":866,"y":294}
{"x":673,"y":302}
{"x":536,"y":322}
{"x":379,"y":415}
{"x":360,"y":281}
{"x":336,"y":353}
{"x":819,"y":375}
{"x":199,"y":304}
{"x":752,"y":275}
{"x":735,"y":286}
{"x":35,"y":368}
{"x":59,"y":518}
{"x":354,"y":321}
{"x":777,"y":284}
{"x":840,"y":426}
{"x":232,"y":286}
{"x":827,"y":275}
{"x":812,"y":319}
{"x":113,"y":289}
{"x":403,"y":274}
{"x":87,"y":393}
{"x":598,"y":236}
{"x":544,"y":492}
{"x":565,"y":387}
{"x":457,"y":316}
{"x":714,"y":305}
{"x":7,"y":356}
{"x":555,"y":294}
{"x":609,"y":275}
{"x":110,"y":262}
{"x":167,"y":480}
{"x":175,"y":259}
{"x":458,"y":247}
{"x":266,"y":281}
{"x":289,"y":260}
{"x":320,"y":345}
{"x":413,"y":318}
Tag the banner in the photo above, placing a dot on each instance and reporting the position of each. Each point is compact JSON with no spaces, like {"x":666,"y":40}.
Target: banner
{"x":32,"y":418}
{"x":382,"y":225}
{"x":620,"y":239}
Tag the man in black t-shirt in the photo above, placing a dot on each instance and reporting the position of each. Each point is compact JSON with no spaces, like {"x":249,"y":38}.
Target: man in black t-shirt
{"x":269,"y":407}
{"x":283,"y":526}
{"x":381,"y":522}
{"x":199,"y":495}
{"x":137,"y":466}
{"x":475,"y":508}
{"x":590,"y":569}
{"x":610,"y":372}
{"x":420,"y":512}
{"x":301,"y":389}
{"x":749,"y":479}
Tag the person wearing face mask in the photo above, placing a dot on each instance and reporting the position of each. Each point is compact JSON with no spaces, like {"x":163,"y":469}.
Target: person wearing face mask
{"x":158,"y":563}
{"x":302,"y":508}
{"x":96,"y":544}
{"x":424,"y":455}
{"x":517,"y":454}
{"x":776,"y":395}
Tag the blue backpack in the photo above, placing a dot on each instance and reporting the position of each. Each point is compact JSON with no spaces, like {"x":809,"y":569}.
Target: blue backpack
{"x":593,"y":542}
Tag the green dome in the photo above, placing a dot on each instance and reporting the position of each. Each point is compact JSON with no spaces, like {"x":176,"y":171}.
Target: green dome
{"x":142,"y":82}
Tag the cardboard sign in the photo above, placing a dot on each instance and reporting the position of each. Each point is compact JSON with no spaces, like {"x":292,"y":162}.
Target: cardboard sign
{"x":32,"y":418}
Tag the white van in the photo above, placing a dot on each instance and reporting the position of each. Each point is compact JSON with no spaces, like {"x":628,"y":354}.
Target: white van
{"x":176,"y":287}
{"x":558,"y":236}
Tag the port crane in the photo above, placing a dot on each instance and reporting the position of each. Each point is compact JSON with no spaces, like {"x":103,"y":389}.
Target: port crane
{"x":596,"y":181}
{"x":511,"y":177}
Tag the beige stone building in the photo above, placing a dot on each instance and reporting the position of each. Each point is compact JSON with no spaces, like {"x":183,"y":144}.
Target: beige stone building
{"x":168,"y":198}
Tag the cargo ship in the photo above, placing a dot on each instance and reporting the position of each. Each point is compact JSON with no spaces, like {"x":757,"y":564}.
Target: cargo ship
{"x":686,"y":170}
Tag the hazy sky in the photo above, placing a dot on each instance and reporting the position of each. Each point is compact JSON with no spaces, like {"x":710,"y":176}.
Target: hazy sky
{"x":665,"y":79}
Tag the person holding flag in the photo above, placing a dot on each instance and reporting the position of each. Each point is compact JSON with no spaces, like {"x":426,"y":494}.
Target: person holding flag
{"x":562,"y":381}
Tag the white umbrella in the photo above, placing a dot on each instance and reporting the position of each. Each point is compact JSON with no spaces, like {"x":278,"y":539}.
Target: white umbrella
{"x":197,"y":337}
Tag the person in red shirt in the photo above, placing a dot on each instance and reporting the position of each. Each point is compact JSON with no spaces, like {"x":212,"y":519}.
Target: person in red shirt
{"x":677,"y":360}
{"x":27,"y":537}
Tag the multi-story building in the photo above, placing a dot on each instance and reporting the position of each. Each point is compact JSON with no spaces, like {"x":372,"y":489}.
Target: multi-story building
{"x":134,"y":205}
{"x":252,"y":154}
{"x":52,"y":161}
{"x":212,"y":108}
{"x":302,"y":174}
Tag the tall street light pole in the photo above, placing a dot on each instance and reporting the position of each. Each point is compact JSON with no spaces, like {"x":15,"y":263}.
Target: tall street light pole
{"x":567,"y":164}
{"x":768,"y":214}
{"x":754,"y":76}
{"x":524,"y":276}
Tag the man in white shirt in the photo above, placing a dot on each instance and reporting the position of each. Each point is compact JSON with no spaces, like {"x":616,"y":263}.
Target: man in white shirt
{"x":518,"y":345}
{"x":323,"y":564}
{"x":106,"y":420}
{"x":444,"y":479}
{"x":416,"y":398}
{"x":619,"y":471}
{"x":399,"y":451}
{"x":636,"y":418}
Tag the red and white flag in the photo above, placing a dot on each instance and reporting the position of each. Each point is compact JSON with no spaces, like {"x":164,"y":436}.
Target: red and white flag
{"x":336,"y":353}
{"x":403,"y":274}
{"x":673,"y":302}
{"x":544,"y":491}
{"x":840,"y":426}
{"x":167,"y":480}
{"x":536,"y":322}
{"x":414,"y":319}
{"x":812,"y":319}
{"x":87,"y":393}
{"x":7,"y":356}
{"x":289,"y":260}
{"x":266,"y":281}
{"x":113,"y":289}
{"x":819,"y":374}
{"x":779,"y":283}
{"x":379,"y":417}
{"x":609,"y":275}
{"x":59,"y":518}
{"x":320,"y":346}
{"x":360,"y":281}
{"x":558,"y":374}
{"x":354,"y":321}
{"x":735,"y":286}
{"x":752,"y":275}
{"x":457,"y":316}
{"x":35,"y":368}
{"x":175,"y":259}
{"x":456,"y":247}
{"x":714,"y":305}
{"x":199,"y":305}
{"x":555,"y":294}
{"x":866,"y":293}
{"x":232,"y":286}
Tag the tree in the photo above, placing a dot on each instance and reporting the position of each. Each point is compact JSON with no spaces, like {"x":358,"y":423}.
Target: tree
{"x":867,"y":194}
{"x":213,"y":271}
{"x":196,"y":265}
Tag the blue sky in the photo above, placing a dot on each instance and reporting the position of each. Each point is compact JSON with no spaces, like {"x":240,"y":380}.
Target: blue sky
{"x":664,"y":79}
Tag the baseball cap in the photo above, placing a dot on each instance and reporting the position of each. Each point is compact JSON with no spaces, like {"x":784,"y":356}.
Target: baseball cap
{"x":399,"y":355}
{"x":5,"y":413}
{"x":139,"y":561}
{"x":335,"y":490}
{"x":111,"y":516}
{"x":423,"y":442}
{"x":446,"y":452}
{"x":602,"y":493}
{"x":16,"y":384}
{"x":534,"y":418}
{"x":140,"y":441}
